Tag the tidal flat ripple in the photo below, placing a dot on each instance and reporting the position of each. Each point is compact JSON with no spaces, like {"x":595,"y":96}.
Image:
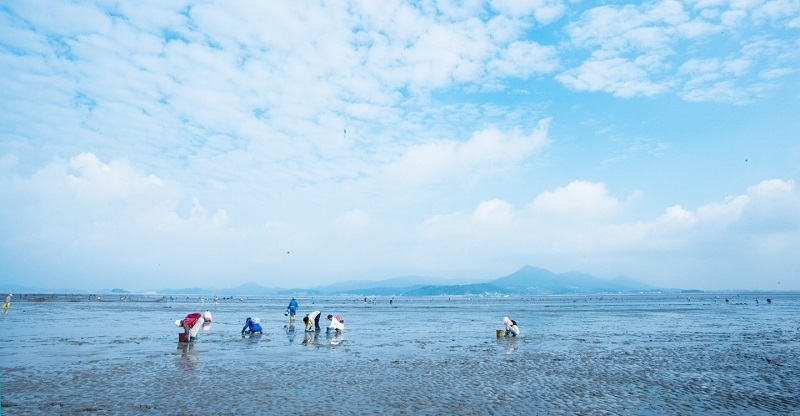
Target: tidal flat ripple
{"x":615,"y":355}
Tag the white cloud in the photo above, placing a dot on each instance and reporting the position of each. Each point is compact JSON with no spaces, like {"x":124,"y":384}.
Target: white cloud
{"x":618,"y":76}
{"x":86,"y":213}
{"x":671,"y":36}
{"x":721,"y":92}
{"x":732,"y":18}
{"x":568,"y":221}
{"x":772,"y":187}
{"x":774,"y":201}
{"x":646,"y":27}
{"x":523,"y":59}
{"x":166,"y":139}
{"x":354,"y":219}
{"x":582,"y":220}
{"x":578,"y":201}
{"x":778,"y":10}
{"x":495,"y":211}
{"x":86,"y":178}
{"x":486,"y":152}
{"x":708,"y":80}
{"x":545,"y":11}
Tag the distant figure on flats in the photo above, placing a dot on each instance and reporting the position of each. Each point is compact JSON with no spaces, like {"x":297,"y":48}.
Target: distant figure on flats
{"x":7,"y":303}
{"x":312,"y":321}
{"x":337,"y":323}
{"x":292,"y":308}
{"x":511,"y":327}
{"x":251,"y":326}
{"x":191,"y":326}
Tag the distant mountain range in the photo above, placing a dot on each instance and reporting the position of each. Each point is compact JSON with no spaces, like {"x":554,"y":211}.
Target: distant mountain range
{"x":528,"y":280}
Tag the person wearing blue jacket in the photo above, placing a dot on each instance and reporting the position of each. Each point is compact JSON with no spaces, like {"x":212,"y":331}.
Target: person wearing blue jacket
{"x":251,"y":326}
{"x":292,"y":308}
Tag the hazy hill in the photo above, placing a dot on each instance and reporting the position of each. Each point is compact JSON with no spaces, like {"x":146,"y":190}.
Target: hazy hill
{"x":12,"y":288}
{"x":534,"y":280}
{"x":391,"y":285}
{"x":478,"y":289}
{"x":248,"y":289}
{"x":528,"y":280}
{"x":187,"y":291}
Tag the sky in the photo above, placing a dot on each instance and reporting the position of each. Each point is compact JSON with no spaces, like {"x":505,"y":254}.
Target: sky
{"x":172,"y":144}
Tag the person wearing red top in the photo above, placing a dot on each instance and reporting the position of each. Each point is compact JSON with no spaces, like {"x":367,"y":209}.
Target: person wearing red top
{"x":191,"y":325}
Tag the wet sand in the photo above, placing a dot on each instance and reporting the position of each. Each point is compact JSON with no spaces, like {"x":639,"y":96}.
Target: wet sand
{"x":643,"y":355}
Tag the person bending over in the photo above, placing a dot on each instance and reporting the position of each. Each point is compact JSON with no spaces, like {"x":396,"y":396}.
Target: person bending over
{"x":191,"y":325}
{"x":312,"y":321}
{"x":511,"y":327}
{"x":335,"y":325}
{"x":251,"y":326}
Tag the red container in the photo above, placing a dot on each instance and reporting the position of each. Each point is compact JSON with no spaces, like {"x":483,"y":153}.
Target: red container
{"x":182,"y":337}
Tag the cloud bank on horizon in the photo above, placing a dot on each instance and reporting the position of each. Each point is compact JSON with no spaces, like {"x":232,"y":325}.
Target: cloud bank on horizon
{"x":181,"y":144}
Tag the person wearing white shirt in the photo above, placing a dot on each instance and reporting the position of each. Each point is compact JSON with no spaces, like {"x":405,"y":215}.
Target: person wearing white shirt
{"x":511,"y":327}
{"x":335,"y":325}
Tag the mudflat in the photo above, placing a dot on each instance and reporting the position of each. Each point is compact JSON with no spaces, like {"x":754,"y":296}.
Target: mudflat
{"x":598,"y":354}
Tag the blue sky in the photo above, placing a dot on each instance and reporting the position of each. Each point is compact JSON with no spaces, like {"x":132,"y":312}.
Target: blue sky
{"x":147,"y":145}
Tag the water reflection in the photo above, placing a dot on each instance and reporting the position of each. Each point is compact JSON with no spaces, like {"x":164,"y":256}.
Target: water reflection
{"x":336,"y":338}
{"x":189,"y":358}
{"x":253,"y":338}
{"x":511,"y":344}
{"x":290,"y":332}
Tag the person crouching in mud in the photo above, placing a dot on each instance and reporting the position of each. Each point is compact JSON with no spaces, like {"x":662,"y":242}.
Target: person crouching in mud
{"x":191,"y":324}
{"x":251,"y":326}
{"x":511,"y":327}
{"x":335,"y":324}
